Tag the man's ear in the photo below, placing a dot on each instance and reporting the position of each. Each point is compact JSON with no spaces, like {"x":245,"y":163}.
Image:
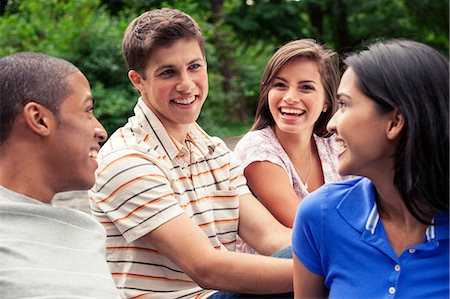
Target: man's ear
{"x":136,"y":80}
{"x":395,"y":124}
{"x":37,"y":118}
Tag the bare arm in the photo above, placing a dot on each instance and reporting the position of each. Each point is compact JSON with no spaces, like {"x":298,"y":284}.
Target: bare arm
{"x":259,"y":228}
{"x":306,"y":283}
{"x":270,"y":184}
{"x":186,"y":245}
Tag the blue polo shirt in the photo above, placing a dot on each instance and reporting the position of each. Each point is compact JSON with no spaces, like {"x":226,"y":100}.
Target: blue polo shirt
{"x":338,"y":234}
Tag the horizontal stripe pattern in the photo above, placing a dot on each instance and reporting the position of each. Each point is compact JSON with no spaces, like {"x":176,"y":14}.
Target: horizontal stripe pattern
{"x":146,"y":178}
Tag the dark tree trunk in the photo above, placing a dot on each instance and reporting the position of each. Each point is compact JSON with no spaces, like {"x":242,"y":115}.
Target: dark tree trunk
{"x":315,"y":13}
{"x":3,"y":7}
{"x":341,"y":35}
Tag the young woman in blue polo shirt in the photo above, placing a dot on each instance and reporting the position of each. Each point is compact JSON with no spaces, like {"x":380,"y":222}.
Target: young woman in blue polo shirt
{"x":384,"y":234}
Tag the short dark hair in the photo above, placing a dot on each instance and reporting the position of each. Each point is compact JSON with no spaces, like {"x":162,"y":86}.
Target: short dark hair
{"x":413,"y":78}
{"x":155,"y":29}
{"x":308,"y":49}
{"x":31,"y":77}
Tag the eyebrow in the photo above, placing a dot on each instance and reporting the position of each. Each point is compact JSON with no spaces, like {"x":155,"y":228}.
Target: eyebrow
{"x":303,"y":81}
{"x":343,"y":95}
{"x":90,"y":98}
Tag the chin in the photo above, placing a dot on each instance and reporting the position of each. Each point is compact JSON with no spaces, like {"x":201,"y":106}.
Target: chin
{"x":86,"y":184}
{"x":286,"y":129}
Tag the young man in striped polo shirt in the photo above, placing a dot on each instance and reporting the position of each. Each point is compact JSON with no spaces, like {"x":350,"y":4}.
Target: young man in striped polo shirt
{"x":49,"y":139}
{"x":172,"y":198}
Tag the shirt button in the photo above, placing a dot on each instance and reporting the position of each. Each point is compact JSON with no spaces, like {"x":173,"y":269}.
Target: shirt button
{"x":391,"y":290}
{"x":412,"y":250}
{"x":397,"y":267}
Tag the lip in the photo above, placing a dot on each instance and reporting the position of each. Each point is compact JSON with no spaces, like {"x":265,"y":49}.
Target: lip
{"x":93,"y":152}
{"x":290,"y":113}
{"x":184,"y":102}
{"x":340,"y":146}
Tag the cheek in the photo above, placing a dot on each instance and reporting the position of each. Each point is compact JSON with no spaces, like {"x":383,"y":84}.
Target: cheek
{"x":361,"y":135}
{"x":273,"y":99}
{"x":317,"y":100}
{"x":347,"y":128}
{"x":205,"y":85}
{"x":202,"y":81}
{"x":272,"y":108}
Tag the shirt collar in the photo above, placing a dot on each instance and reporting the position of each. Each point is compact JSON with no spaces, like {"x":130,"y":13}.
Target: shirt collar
{"x":357,"y":204}
{"x":441,"y":225}
{"x":163,"y":142}
{"x":365,"y":215}
{"x":430,"y":233}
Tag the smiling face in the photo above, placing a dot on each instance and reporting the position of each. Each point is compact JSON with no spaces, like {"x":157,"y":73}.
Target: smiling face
{"x":76,"y":136}
{"x":297,"y":96}
{"x":175,"y":84}
{"x":362,"y":132}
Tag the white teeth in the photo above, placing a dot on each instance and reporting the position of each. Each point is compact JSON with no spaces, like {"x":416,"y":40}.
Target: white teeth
{"x":292,"y":111}
{"x":339,"y":146}
{"x":186,"y":101}
{"x":93,"y":154}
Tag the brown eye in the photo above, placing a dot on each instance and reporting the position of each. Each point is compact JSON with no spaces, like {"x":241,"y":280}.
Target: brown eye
{"x":167,"y":73}
{"x":194,"y":66}
{"x":341,"y":104}
{"x":308,"y":87}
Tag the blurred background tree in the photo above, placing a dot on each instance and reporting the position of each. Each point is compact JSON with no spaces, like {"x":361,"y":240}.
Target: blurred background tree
{"x":240,"y":37}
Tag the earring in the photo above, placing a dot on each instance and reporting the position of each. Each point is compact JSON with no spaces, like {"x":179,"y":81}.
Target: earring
{"x":324,"y":109}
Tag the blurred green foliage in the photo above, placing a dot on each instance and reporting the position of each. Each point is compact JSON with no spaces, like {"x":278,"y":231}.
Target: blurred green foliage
{"x":82,"y":32}
{"x":240,"y":37}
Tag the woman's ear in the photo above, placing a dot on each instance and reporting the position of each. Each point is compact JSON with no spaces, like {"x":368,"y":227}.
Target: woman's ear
{"x":395,"y":125}
{"x":37,"y":118}
{"x":136,"y":80}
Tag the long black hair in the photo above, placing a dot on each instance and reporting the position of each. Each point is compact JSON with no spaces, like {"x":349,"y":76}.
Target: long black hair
{"x":414,"y":78}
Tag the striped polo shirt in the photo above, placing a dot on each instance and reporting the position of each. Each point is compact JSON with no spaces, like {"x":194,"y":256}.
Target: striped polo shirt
{"x":146,"y":178}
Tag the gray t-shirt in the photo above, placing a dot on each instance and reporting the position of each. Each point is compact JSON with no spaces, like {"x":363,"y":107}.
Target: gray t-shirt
{"x":50,"y":252}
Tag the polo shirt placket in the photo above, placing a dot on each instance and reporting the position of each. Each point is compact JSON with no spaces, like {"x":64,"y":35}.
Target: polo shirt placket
{"x":375,"y":236}
{"x":339,"y":235}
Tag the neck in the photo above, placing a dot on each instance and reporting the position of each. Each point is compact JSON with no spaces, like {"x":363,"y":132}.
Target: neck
{"x":390,"y":203}
{"x":179,"y":134}
{"x":297,"y":146}
{"x":402,"y":229}
{"x":20,"y":173}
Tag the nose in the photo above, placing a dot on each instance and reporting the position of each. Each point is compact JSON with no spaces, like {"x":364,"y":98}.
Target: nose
{"x":331,"y":125}
{"x":185,"y":84}
{"x":99,"y":132}
{"x":291,"y":96}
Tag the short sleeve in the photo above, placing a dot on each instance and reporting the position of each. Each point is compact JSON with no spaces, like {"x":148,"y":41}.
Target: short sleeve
{"x":237,"y":179}
{"x":135,"y":194}
{"x":307,"y":232}
{"x":258,"y":146}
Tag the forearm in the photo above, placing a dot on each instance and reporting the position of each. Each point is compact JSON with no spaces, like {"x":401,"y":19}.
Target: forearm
{"x":186,"y":245}
{"x":278,"y":239}
{"x":260,"y":229}
{"x":275,"y":192}
{"x":246,"y":273}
